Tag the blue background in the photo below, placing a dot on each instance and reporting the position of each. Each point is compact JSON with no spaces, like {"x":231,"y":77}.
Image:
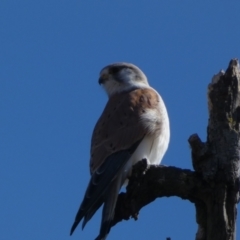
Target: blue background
{"x":51,"y":53}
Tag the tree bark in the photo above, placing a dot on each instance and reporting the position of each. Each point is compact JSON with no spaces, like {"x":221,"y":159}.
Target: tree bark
{"x":214,"y":185}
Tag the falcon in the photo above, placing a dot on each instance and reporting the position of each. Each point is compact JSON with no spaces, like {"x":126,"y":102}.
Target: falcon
{"x":133,"y":126}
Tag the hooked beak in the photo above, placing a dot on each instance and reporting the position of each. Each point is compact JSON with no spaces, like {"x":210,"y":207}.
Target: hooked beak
{"x":103,"y":78}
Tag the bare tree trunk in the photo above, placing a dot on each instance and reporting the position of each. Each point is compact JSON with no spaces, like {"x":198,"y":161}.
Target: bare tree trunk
{"x":214,"y":185}
{"x":217,"y":160}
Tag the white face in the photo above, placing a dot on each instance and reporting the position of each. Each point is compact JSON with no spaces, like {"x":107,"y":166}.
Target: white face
{"x":120,"y":77}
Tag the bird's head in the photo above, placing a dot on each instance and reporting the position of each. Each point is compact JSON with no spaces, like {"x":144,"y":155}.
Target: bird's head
{"x":119,"y":77}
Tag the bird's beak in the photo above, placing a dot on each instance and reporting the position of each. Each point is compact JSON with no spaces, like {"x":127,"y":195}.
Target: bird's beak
{"x":103,"y":78}
{"x":101,"y":81}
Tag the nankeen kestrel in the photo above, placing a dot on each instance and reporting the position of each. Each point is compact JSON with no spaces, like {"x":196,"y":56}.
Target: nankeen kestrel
{"x":133,"y":126}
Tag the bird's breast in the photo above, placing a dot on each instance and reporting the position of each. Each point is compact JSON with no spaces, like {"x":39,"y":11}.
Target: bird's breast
{"x":155,"y":143}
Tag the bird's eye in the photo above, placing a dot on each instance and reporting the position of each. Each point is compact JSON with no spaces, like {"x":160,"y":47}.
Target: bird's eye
{"x":115,"y":70}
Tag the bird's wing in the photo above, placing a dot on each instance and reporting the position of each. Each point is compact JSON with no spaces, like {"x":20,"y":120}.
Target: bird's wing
{"x":121,"y":124}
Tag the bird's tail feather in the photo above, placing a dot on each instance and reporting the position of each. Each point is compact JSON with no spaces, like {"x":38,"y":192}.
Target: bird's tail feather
{"x":109,"y":208}
{"x":92,"y":211}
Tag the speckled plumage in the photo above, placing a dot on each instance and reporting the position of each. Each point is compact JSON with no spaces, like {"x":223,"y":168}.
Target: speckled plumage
{"x":121,"y":123}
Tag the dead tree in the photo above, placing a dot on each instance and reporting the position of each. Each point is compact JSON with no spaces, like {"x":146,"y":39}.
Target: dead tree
{"x":214,"y":185}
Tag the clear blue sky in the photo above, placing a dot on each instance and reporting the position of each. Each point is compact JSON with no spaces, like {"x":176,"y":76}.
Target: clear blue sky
{"x":51,"y":53}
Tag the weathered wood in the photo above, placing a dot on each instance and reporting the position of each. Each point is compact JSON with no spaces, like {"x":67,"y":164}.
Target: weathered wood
{"x":214,"y":185}
{"x":150,"y":182}
{"x":222,"y":170}
{"x":218,"y":159}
